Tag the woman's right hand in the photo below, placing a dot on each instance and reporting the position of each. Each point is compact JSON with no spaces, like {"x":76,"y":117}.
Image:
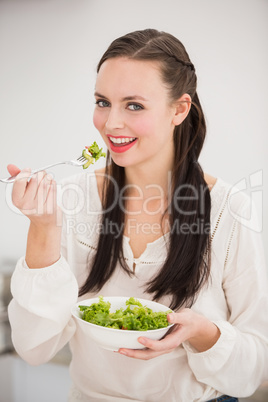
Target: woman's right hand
{"x":35,"y":197}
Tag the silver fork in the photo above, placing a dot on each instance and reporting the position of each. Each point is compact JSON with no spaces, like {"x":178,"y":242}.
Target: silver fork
{"x":75,"y":162}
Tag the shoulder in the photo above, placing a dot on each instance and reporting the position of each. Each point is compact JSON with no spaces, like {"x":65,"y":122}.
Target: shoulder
{"x":223,"y":192}
{"x":231,"y":195}
{"x":210,"y":180}
{"x":231,"y":208}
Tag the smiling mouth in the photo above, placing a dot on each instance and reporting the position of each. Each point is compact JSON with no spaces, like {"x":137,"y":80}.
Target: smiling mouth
{"x":121,"y":141}
{"x":121,"y":144}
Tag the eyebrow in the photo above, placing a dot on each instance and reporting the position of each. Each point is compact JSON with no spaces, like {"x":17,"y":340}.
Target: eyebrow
{"x":126,"y":98}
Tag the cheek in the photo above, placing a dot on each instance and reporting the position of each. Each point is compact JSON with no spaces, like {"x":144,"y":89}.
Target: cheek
{"x":143,"y":127}
{"x":98,"y":120}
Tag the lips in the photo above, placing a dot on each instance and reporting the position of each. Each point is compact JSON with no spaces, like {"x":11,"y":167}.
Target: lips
{"x":121,"y":144}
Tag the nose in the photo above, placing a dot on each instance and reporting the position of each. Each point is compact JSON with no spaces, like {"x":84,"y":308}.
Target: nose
{"x":114,"y":119}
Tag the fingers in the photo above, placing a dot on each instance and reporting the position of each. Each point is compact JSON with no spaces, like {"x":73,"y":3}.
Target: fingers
{"x":141,"y":354}
{"x":171,"y":341}
{"x":51,"y":200}
{"x":189,"y":325}
{"x":33,"y":185}
{"x":34,"y":195}
{"x":13,"y":170}
{"x":19,"y":187}
{"x":177,"y":334}
{"x":43,"y":183}
{"x":154,"y":348}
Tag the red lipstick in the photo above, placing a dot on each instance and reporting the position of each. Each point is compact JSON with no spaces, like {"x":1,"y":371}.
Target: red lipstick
{"x":123,"y":147}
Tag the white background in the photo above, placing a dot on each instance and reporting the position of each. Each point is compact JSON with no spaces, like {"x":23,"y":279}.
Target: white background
{"x":49,"y":50}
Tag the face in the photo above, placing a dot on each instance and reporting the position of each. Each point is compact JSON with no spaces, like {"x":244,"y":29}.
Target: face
{"x":133,"y":112}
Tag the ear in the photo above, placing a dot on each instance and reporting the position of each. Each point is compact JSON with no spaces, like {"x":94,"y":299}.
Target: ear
{"x":182,"y":108}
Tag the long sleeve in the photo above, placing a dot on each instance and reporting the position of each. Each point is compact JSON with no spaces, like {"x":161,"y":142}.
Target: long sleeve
{"x":40,"y":311}
{"x":238,"y":363}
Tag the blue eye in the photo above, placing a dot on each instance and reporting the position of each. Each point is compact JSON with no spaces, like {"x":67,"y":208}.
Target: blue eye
{"x":134,"y":106}
{"x":102,"y":103}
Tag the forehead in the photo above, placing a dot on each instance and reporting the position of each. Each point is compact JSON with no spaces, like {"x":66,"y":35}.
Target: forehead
{"x":130,"y":76}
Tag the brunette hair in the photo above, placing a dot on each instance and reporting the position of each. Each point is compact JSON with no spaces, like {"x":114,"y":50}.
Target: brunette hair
{"x":187,"y":264}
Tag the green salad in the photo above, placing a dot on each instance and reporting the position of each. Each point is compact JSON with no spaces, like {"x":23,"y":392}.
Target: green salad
{"x":134,"y":317}
{"x":92,"y":154}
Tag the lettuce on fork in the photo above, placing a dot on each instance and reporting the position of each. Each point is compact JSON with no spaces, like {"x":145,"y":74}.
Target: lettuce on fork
{"x":134,"y":317}
{"x":92,"y":154}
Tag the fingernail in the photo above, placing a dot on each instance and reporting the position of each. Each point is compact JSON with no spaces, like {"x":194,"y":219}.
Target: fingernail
{"x":142,"y":340}
{"x":49,"y":177}
{"x":123,"y":352}
{"x":170,"y":317}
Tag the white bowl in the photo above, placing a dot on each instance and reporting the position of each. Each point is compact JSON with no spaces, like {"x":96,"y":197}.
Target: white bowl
{"x":114,"y":339}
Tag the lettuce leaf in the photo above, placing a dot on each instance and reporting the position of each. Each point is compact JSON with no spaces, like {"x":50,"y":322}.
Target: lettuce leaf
{"x":92,"y":154}
{"x":134,"y":317}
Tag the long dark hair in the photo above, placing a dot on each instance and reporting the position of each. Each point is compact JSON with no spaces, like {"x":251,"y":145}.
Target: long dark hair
{"x":187,"y":264}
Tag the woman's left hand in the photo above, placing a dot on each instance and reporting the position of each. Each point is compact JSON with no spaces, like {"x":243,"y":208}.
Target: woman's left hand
{"x":189,"y":326}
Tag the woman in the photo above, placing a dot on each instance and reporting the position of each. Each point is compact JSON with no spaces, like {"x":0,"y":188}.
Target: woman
{"x":151,"y":225}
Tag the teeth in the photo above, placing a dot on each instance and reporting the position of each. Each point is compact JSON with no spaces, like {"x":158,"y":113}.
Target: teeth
{"x":121,"y":140}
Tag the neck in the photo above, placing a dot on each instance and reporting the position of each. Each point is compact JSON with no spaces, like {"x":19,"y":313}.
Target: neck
{"x":150,"y":179}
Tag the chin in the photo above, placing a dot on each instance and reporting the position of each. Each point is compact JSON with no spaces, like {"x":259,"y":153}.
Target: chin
{"x":122,"y":161}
